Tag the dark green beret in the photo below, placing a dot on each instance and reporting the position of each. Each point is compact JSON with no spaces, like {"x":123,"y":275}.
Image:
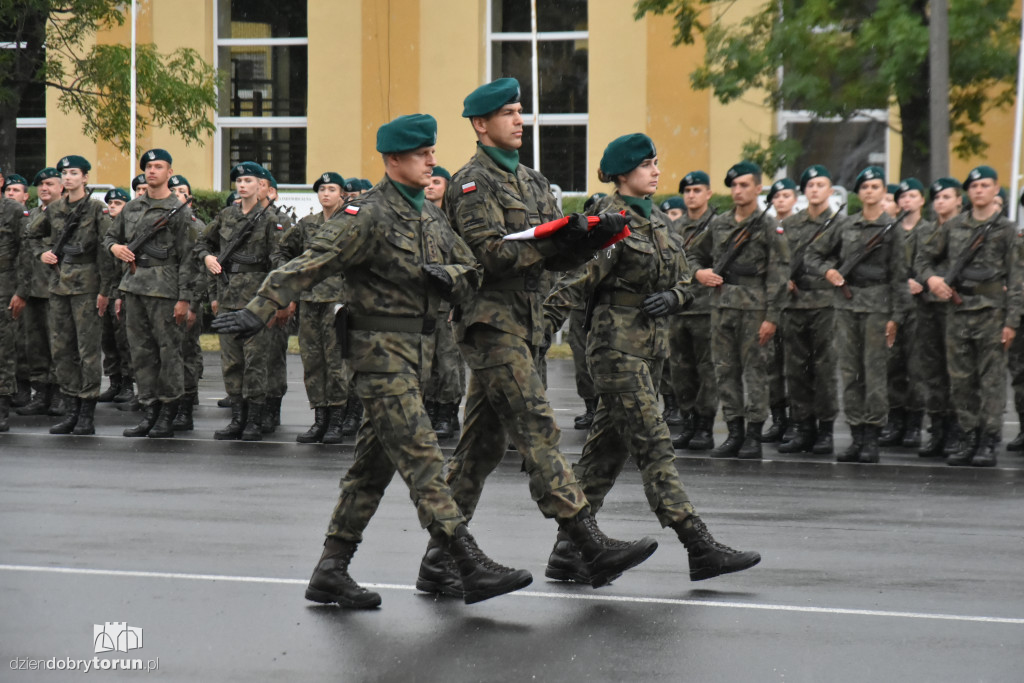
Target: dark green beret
{"x":15,"y":179}
{"x":154,"y":155}
{"x":741,"y":169}
{"x":365,"y":184}
{"x":329,"y":178}
{"x":352,"y":185}
{"x":815,"y":171}
{"x":232,"y":198}
{"x":891,"y":188}
{"x":491,"y":97}
{"x":625,"y":153}
{"x":869,"y":173}
{"x":694,"y":178}
{"x":943,"y":184}
{"x":249,"y":168}
{"x":272,"y":180}
{"x":407,"y":133}
{"x":138,"y":180}
{"x":1003,"y":194}
{"x":74,"y":161}
{"x":116,"y":193}
{"x":440,"y":172}
{"x":980,"y":172}
{"x":779,"y":186}
{"x":592,"y":199}
{"x":48,"y":172}
{"x":673,"y":203}
{"x":177,"y":180}
{"x":906,"y":185}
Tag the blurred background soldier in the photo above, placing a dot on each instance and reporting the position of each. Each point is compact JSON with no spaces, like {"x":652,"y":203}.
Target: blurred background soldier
{"x":13,"y":218}
{"x":16,"y":188}
{"x":139,"y":185}
{"x":673,"y":208}
{"x":782,"y":197}
{"x":202,"y":283}
{"x":117,"y":359}
{"x":277,"y":367}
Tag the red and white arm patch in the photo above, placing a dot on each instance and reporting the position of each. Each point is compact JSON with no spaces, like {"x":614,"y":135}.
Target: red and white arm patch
{"x":352,"y":210}
{"x":469,"y":187}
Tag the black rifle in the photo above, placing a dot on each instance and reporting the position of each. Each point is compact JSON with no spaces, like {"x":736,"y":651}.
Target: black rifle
{"x":797,"y":266}
{"x":701,"y":229}
{"x":70,"y":225}
{"x":144,"y":236}
{"x":238,"y":241}
{"x":955,"y":275}
{"x":739,"y":239}
{"x":866,"y":249}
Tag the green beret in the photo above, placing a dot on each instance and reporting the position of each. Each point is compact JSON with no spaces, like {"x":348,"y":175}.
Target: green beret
{"x":178,"y":180}
{"x":980,"y":172}
{"x":625,"y":153}
{"x":116,"y":193}
{"x":741,"y":169}
{"x":490,"y":97}
{"x":694,"y":178}
{"x":15,"y":179}
{"x":365,"y":184}
{"x":869,"y":173}
{"x":906,"y":185}
{"x":154,"y":155}
{"x":249,"y":168}
{"x":74,"y":161}
{"x":672,"y":203}
{"x":329,"y":178}
{"x":271,"y":179}
{"x":232,"y":198}
{"x":440,"y":172}
{"x":943,"y":184}
{"x":592,"y":199}
{"x":352,"y":185}
{"x":779,"y":186}
{"x":48,"y":172}
{"x":891,"y":188}
{"x":1003,"y":194}
{"x":138,"y":180}
{"x":815,"y":171}
{"x":407,"y":133}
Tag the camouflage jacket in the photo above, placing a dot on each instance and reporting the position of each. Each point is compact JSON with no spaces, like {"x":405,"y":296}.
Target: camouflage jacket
{"x":879,"y":283}
{"x":484,"y":203}
{"x":298,"y":239}
{"x":87,"y":267}
{"x":757,"y":279}
{"x":687,"y":230}
{"x":252,"y":259}
{"x":33,"y":273}
{"x":813,"y":291}
{"x":380,"y":243}
{"x":992,"y":279}
{"x":13,"y":218}
{"x":650,"y":260}
{"x":165,"y":267}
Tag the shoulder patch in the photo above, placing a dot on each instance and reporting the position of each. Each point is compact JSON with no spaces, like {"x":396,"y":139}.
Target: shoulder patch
{"x":106,"y":210}
{"x":280,"y":227}
{"x":779,"y":229}
{"x":469,"y":187}
{"x":24,"y":213}
{"x":352,"y":210}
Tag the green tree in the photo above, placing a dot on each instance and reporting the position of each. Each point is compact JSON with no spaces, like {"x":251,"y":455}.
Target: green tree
{"x":176,"y":91}
{"x":837,"y":57}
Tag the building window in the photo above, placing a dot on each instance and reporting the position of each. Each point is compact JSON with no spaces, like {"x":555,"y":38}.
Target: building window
{"x":844,"y":146}
{"x":554,"y":45}
{"x":30,"y":144}
{"x":263,"y":47}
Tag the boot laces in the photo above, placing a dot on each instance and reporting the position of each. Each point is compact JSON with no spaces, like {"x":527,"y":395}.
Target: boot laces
{"x":705,"y":537}
{"x":478,"y":556}
{"x":612,"y":544}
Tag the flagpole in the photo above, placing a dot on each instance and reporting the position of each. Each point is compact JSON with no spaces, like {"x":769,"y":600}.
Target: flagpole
{"x":135,"y":104}
{"x":1018,"y":123}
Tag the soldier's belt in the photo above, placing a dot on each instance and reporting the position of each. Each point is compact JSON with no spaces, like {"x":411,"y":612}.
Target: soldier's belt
{"x":806,"y":284}
{"x":513,"y":284}
{"x":233,"y":267}
{"x":619,"y":298}
{"x":992,"y":289}
{"x":147,"y":261}
{"x":854,"y":281}
{"x":743,"y":280}
{"x":391,"y":323}
{"x":77,"y":259}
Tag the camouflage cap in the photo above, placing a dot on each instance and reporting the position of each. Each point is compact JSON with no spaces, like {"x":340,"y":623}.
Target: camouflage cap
{"x":74,"y":161}
{"x":116,"y":193}
{"x":440,"y":172}
{"x":741,"y":169}
{"x":780,"y":185}
{"x":941,"y":184}
{"x":869,"y":173}
{"x":155,"y":154}
{"x":15,"y":179}
{"x":407,"y":133}
{"x":329,"y":178}
{"x":672,"y":203}
{"x":626,"y":152}
{"x":694,"y":178}
{"x":979,"y":172}
{"x":491,"y":97}
{"x":906,"y":185}
{"x":815,"y":171}
{"x":48,"y":172}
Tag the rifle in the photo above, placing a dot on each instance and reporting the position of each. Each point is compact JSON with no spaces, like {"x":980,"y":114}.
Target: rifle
{"x":140,"y":240}
{"x":70,"y":225}
{"x":701,"y":229}
{"x":858,"y":256}
{"x":956,"y":272}
{"x":238,"y":240}
{"x":738,"y":240}
{"x":798,"y":259}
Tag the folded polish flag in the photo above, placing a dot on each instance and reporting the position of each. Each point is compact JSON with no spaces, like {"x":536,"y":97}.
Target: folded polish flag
{"x":545,"y":230}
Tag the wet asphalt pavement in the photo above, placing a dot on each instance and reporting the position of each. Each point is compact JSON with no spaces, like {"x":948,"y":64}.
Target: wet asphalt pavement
{"x":908,"y":570}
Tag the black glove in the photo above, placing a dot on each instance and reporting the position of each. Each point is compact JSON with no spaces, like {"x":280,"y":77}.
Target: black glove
{"x":243,"y":324}
{"x":611,"y":225}
{"x":574,"y":233}
{"x":660,"y":303}
{"x":440,"y":278}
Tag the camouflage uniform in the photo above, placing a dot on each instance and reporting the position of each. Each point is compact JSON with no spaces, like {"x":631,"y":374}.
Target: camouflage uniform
{"x":627,"y":349}
{"x":277,"y":370}
{"x":36,"y":283}
{"x":904,"y":368}
{"x":191,"y":350}
{"x":12,"y":227}
{"x":447,"y":383}
{"x":84,"y":273}
{"x":117,"y":358}
{"x":380,"y":242}
{"x":930,"y":345}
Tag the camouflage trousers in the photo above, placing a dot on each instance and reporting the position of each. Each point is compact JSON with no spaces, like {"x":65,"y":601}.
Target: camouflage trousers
{"x":156,"y":341}
{"x":904,"y":368}
{"x":809,"y":344}
{"x":977,"y":368}
{"x":244,"y":365}
{"x":192,"y":355}
{"x":325,"y":373}
{"x":75,"y":344}
{"x":930,"y":349}
{"x":777,"y":369}
{"x":36,"y":319}
{"x":117,"y":357}
{"x":8,"y":355}
{"x":22,"y":369}
{"x":628,"y":423}
{"x":395,"y":435}
{"x":863,"y":356}
{"x":506,"y":400}
{"x":447,"y":382}
{"x":1015,"y":363}
{"x":277,"y":368}
{"x":577,"y":340}
{"x":740,"y":361}
{"x":693,"y":372}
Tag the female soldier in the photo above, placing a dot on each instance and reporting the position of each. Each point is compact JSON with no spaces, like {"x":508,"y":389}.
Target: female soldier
{"x":631,"y":287}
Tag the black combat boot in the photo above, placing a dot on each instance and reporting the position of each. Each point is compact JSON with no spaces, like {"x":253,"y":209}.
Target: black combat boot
{"x":986,"y":455}
{"x":803,"y":439}
{"x":732,"y":444}
{"x":606,"y":558}
{"x":447,"y":420}
{"x":482,"y":577}
{"x":183,"y":420}
{"x":331,"y":582}
{"x":968,"y":449}
{"x":23,"y":394}
{"x":892,"y":433}
{"x":565,"y":563}
{"x":128,"y":400}
{"x":126,"y":390}
{"x":671,"y":414}
{"x":431,"y":407}
{"x":335,"y":432}
{"x":778,"y":426}
{"x":912,"y":429}
{"x":72,"y":405}
{"x":253,"y":430}
{"x":954,"y":436}
{"x":224,"y":402}
{"x":751,"y":448}
{"x":1016,"y":445}
{"x":704,"y":438}
{"x":5,"y":412}
{"x":271,"y":414}
{"x":708,"y":557}
{"x":869,"y":449}
{"x":234,"y":429}
{"x":163,"y":428}
{"x":40,"y":402}
{"x":58,"y":406}
{"x":682,"y":440}
{"x":852,"y":452}
{"x":936,"y":437}
{"x":149,"y":417}
{"x":587,"y":418}
{"x":439,"y":574}
{"x":315,"y":433}
{"x":353,"y":416}
{"x":113,"y":390}
{"x":823,"y":444}
{"x":86,"y":424}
